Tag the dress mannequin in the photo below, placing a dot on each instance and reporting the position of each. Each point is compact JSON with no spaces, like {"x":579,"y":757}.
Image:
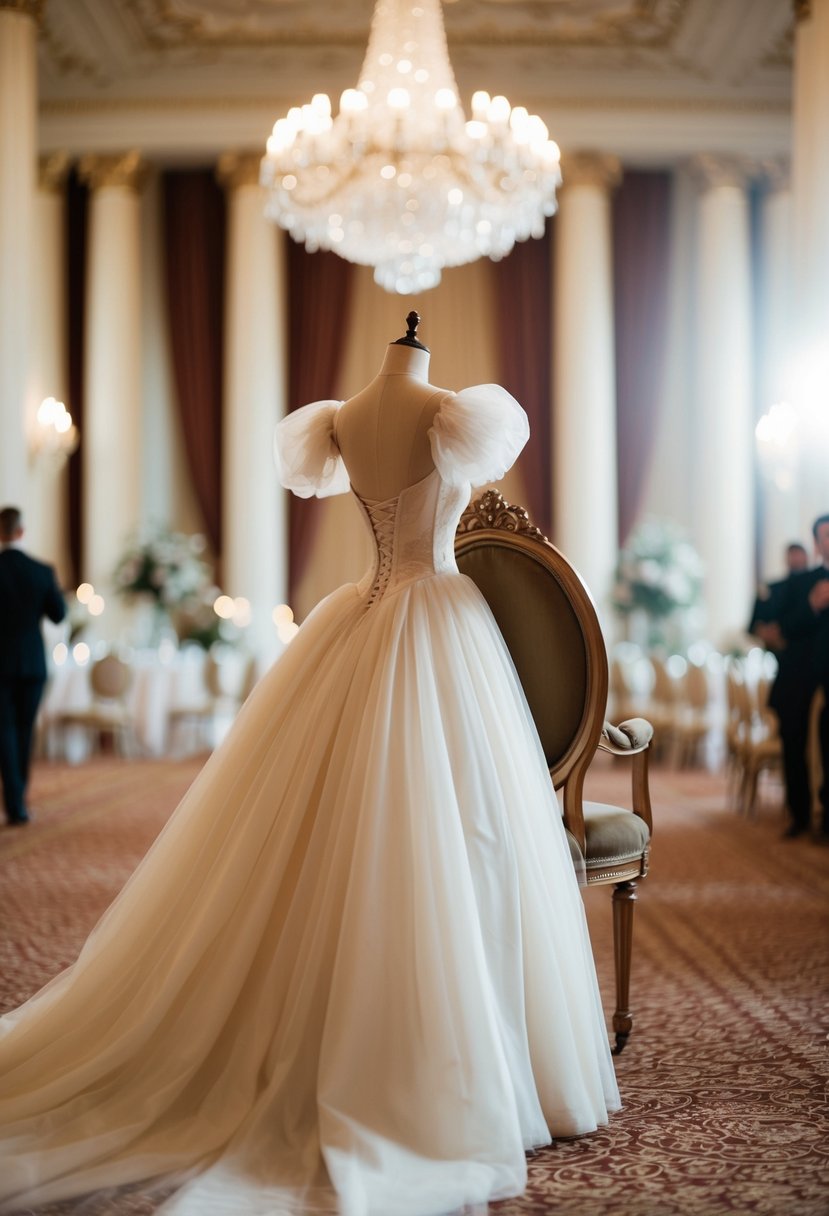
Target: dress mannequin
{"x":383,"y":431}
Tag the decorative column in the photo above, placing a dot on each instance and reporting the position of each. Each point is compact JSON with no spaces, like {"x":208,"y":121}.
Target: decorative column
{"x":254,"y":507}
{"x":112,"y":390}
{"x":810,"y":269}
{"x":779,"y":478}
{"x":723,"y":423}
{"x":18,"y":141}
{"x":585,"y":507}
{"x":47,"y":509}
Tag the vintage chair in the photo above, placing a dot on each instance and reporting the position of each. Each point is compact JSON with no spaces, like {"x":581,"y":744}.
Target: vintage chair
{"x":552,"y":631}
{"x":221,"y":693}
{"x":108,"y":714}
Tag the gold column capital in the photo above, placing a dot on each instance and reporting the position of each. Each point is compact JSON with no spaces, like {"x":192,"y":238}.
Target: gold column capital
{"x":591,"y":169}
{"x":125,"y":169}
{"x":52,"y":171}
{"x":234,"y":169}
{"x":31,"y":8}
{"x":710,"y":171}
{"x":775,"y":174}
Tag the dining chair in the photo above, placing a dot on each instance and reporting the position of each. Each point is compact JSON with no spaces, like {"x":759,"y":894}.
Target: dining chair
{"x":552,"y":631}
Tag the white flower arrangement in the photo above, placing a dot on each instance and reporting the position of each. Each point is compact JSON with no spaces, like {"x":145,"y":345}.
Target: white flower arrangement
{"x":167,"y":566}
{"x":658,"y":571}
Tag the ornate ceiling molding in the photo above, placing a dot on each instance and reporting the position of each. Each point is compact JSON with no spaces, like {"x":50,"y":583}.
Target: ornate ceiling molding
{"x":712,"y":172}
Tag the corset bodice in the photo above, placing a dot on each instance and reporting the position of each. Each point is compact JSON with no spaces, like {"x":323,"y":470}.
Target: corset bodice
{"x":413,"y":534}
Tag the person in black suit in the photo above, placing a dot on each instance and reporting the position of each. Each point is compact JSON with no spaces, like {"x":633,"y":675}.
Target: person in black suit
{"x":804,"y":620}
{"x":28,"y":592}
{"x":764,"y":623}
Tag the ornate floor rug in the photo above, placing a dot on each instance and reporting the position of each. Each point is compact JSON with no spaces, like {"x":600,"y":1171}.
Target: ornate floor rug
{"x":724,"y":1077}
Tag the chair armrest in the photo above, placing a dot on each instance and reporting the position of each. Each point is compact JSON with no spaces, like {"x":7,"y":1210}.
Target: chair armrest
{"x":627,"y":738}
{"x":633,"y":739}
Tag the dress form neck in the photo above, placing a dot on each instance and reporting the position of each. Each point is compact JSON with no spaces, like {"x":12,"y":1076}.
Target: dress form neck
{"x":403,"y":360}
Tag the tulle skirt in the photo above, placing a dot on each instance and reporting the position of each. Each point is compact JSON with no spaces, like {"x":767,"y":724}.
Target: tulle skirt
{"x":353,"y":973}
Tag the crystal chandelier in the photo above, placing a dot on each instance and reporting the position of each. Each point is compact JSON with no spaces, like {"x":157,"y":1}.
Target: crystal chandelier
{"x":398,"y":179}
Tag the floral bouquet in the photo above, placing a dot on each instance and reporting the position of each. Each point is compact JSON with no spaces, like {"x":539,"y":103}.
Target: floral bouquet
{"x":659,"y":574}
{"x":166,"y":566}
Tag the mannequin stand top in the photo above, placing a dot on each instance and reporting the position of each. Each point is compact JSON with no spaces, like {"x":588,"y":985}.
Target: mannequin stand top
{"x":383,"y":431}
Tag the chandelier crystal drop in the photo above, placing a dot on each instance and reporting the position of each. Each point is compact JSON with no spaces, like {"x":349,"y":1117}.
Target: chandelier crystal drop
{"x":399,"y":180}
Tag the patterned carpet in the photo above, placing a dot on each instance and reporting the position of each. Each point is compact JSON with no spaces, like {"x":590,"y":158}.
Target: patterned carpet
{"x":723,"y":1080}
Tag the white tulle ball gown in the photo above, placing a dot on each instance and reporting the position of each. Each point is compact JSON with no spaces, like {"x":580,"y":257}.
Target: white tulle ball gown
{"x":353,"y":973}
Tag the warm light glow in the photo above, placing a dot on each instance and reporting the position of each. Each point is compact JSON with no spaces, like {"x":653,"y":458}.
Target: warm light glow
{"x":241,"y":612}
{"x":399,"y":158}
{"x":287,"y":632}
{"x":96,"y":605}
{"x":53,"y":435}
{"x":80,"y":653}
{"x":60,"y":653}
{"x":223,"y":607}
{"x":282,"y":615}
{"x":84,"y":593}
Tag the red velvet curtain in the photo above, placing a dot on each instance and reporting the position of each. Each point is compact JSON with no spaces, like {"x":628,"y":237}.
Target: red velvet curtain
{"x":194,"y":248}
{"x":319,"y":291}
{"x":524,"y":299}
{"x":641,"y":218}
{"x":77,"y":206}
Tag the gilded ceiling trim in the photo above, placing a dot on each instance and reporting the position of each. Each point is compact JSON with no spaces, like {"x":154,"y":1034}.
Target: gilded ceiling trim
{"x":163,"y":28}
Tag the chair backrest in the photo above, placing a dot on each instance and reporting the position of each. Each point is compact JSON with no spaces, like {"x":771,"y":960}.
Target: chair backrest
{"x":549,"y":624}
{"x":109,"y":677}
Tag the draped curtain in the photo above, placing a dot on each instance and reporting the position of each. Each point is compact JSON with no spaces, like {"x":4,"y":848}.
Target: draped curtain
{"x":194,"y":263}
{"x":319,"y":291}
{"x":641,"y":216}
{"x":525,"y":327}
{"x":77,"y":207}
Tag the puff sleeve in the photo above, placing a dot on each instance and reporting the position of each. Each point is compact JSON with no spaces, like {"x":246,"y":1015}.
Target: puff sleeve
{"x":308,"y":460}
{"x":477,"y":435}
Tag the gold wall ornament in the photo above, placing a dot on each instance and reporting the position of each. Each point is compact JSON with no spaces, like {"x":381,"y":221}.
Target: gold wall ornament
{"x":124,"y":169}
{"x":52,"y":171}
{"x":492,"y":510}
{"x":235,"y":169}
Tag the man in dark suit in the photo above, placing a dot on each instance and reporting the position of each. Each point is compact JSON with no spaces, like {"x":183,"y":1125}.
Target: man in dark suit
{"x":28,"y":592}
{"x":803,"y":615}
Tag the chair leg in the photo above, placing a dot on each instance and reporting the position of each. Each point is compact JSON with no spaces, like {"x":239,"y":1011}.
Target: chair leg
{"x":624,"y":897}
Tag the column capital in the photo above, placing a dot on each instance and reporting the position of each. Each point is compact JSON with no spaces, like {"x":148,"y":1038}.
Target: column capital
{"x":775,"y":174}
{"x":235,"y":169}
{"x":32,"y":8}
{"x":125,"y":169}
{"x":710,"y":171}
{"x":52,"y":171}
{"x":591,"y":169}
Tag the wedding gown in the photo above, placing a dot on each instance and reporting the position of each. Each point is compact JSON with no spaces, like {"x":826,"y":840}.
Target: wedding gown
{"x":352,"y":974}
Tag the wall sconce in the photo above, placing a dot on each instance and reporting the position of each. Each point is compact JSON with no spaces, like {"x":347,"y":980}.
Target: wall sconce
{"x":778,"y":444}
{"x":54,"y":435}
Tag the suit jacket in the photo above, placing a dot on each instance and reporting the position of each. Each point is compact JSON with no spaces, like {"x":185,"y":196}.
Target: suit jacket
{"x":806,"y":631}
{"x":28,"y":592}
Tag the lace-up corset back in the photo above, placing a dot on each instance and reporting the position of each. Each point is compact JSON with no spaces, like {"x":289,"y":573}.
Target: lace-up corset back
{"x":413,"y":534}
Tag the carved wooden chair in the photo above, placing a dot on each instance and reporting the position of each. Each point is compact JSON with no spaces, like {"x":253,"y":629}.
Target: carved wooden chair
{"x":552,"y":631}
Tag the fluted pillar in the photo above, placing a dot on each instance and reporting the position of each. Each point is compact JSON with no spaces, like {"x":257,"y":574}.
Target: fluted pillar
{"x":779,"y":518}
{"x":46,"y":514}
{"x":810,"y":270}
{"x":254,"y":510}
{"x":722,"y":401}
{"x":584,"y":427}
{"x":18,"y":144}
{"x":112,"y":390}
